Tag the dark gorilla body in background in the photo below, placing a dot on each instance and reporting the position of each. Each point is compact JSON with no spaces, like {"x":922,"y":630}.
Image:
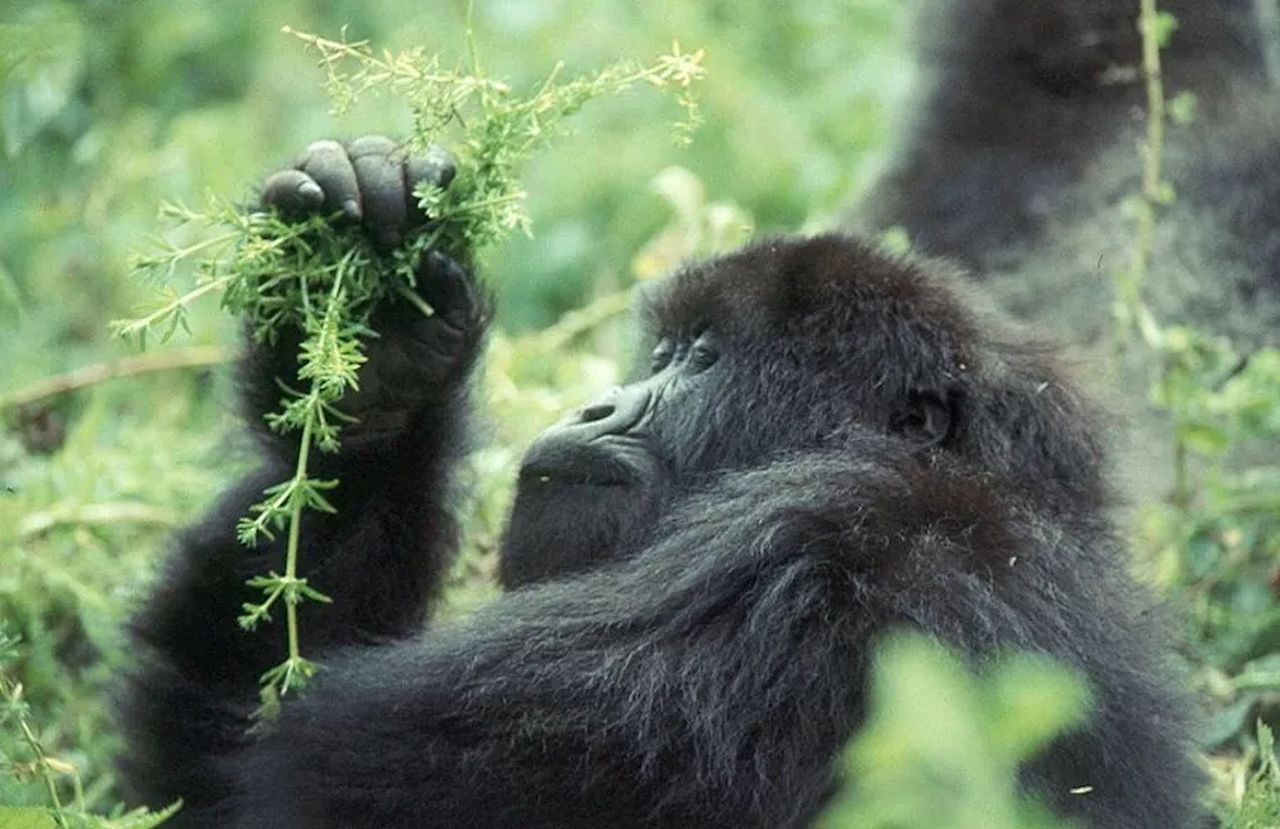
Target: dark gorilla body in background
{"x":832,"y":443}
{"x":1026,"y":146}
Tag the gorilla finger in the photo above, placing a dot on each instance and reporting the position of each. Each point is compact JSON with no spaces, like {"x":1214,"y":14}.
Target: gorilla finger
{"x":436,"y":166}
{"x":447,"y":286}
{"x":292,"y":192}
{"x":327,"y":163}
{"x":378,"y":168}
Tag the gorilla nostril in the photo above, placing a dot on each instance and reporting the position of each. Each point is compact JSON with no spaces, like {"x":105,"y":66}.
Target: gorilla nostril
{"x":597,"y":412}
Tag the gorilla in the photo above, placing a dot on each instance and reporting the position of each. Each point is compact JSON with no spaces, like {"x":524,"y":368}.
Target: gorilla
{"x":829,"y":442}
{"x":1023,"y":153}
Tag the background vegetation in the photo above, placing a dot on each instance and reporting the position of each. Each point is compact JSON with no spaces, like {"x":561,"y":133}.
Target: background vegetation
{"x":108,"y":107}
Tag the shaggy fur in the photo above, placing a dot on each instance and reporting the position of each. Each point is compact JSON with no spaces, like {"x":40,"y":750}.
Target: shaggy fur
{"x":710,"y":675}
{"x":689,"y":646}
{"x":1024,"y":148}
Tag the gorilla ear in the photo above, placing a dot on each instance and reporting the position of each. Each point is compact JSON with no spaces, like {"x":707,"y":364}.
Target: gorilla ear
{"x":927,"y":419}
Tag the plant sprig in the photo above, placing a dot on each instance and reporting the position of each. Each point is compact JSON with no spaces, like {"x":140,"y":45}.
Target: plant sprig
{"x":15,"y":711}
{"x":324,"y":280}
{"x":485,"y":203}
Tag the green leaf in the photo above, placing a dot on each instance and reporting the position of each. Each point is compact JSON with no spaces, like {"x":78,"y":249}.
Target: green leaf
{"x":140,"y":818}
{"x":1183,"y":108}
{"x":1165,"y":25}
{"x":1033,"y":700}
{"x":1225,"y":723}
{"x":896,"y":240}
{"x":26,"y":818}
{"x":41,"y":63}
{"x":941,"y":746}
{"x":1204,"y":438}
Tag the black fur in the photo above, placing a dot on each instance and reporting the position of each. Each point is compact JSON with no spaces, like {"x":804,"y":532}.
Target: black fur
{"x":1024,"y":148}
{"x":688,"y":645}
{"x":710,"y":676}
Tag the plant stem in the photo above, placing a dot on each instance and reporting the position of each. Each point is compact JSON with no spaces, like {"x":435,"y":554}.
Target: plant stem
{"x":1181,"y":475}
{"x":13,"y":691}
{"x":45,"y":772}
{"x":199,"y":356}
{"x":360,"y":52}
{"x":176,"y":254}
{"x":92,"y":515}
{"x":291,"y":552}
{"x":160,"y":313}
{"x":411,"y":296}
{"x":1153,"y":152}
{"x":1152,"y":197}
{"x":577,"y":322}
{"x":1129,"y":285}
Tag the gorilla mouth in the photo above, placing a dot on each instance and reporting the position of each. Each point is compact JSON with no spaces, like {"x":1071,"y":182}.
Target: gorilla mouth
{"x":564,"y":477}
{"x":605,"y":462}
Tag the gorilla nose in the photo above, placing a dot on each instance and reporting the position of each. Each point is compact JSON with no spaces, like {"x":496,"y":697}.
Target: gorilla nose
{"x":599,"y":411}
{"x":617,"y":414}
{"x":573,"y":449}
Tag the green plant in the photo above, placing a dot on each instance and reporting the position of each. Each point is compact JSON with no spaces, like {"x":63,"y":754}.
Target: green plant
{"x":942,"y":745}
{"x":1216,"y":538}
{"x":325,"y":280}
{"x":41,"y":765}
{"x":1129,"y":311}
{"x":1260,"y":807}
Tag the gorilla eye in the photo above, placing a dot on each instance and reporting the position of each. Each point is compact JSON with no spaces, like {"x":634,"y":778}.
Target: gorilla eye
{"x":702,"y":354}
{"x":662,"y":354}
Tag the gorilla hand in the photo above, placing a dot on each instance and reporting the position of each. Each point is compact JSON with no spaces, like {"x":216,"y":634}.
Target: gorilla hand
{"x":371,"y":180}
{"x":416,"y":360}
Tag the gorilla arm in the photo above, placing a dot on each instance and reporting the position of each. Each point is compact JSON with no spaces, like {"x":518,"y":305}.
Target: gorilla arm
{"x":710,"y":681}
{"x":380,"y":557}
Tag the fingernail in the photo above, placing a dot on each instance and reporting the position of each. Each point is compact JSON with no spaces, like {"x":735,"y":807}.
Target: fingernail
{"x":351,"y":209}
{"x":311,"y":192}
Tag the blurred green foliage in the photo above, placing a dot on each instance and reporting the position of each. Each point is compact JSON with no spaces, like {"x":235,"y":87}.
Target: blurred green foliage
{"x":1214,"y":544}
{"x":108,"y":107}
{"x":942,"y":746}
{"x":1260,"y":808}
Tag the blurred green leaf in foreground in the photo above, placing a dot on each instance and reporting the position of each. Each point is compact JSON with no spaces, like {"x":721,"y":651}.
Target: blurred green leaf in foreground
{"x":941,"y":746}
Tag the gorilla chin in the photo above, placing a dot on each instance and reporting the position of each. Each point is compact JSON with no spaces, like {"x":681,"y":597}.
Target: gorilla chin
{"x":576,"y":499}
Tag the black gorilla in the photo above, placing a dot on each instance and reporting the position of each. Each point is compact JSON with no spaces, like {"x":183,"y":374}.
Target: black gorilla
{"x":1025,"y":151}
{"x":829,"y":442}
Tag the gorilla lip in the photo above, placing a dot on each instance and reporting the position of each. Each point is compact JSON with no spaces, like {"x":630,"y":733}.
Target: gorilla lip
{"x":564,"y":478}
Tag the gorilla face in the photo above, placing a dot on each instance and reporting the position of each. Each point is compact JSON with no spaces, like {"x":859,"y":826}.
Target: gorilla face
{"x":592,"y":483}
{"x":782,"y":347}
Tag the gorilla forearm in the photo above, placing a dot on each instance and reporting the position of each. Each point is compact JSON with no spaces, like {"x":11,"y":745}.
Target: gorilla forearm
{"x":380,"y":557}
{"x":702,"y":671}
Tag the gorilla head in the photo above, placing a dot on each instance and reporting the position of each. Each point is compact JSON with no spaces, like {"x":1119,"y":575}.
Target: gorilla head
{"x":786,"y":346}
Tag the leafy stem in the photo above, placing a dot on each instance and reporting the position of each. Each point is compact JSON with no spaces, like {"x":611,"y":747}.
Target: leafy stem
{"x":291,"y":557}
{"x":1130,"y":311}
{"x":171,"y":314}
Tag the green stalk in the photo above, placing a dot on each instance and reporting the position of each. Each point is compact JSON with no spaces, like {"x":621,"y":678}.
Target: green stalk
{"x":45,"y":772}
{"x":13,"y":691}
{"x":1130,"y":310}
{"x":291,"y":552}
{"x":1153,"y":153}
